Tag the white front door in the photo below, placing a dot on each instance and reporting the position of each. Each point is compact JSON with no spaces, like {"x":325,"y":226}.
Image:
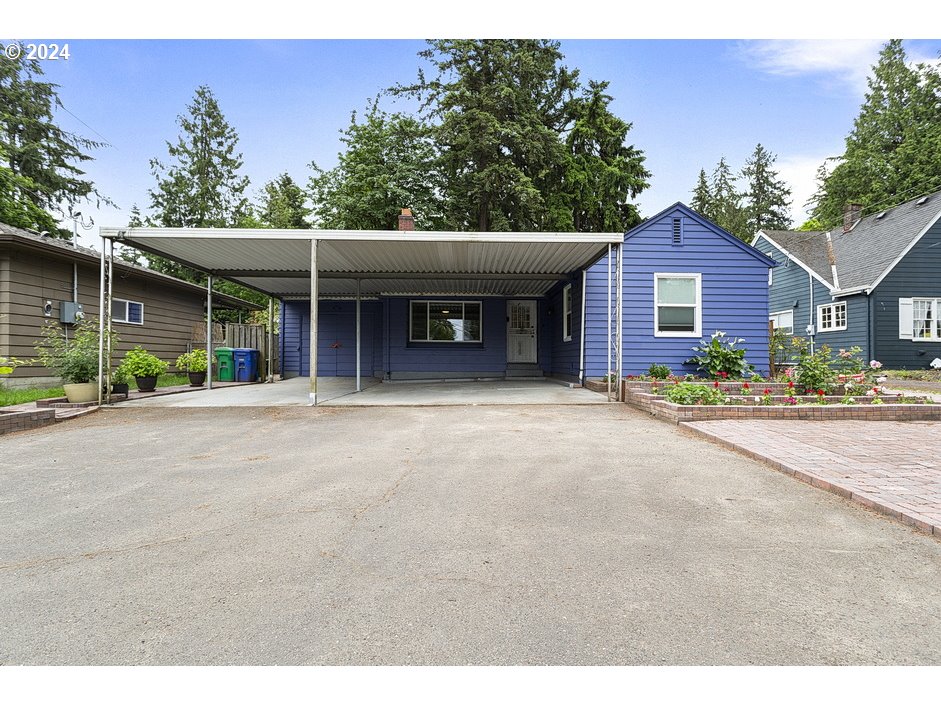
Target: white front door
{"x":521,"y":331}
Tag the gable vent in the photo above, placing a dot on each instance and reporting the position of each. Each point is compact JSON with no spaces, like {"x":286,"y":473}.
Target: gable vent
{"x":677,"y":231}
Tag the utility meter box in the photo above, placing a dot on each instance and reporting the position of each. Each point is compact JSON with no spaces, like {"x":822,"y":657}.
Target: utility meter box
{"x":70,"y":312}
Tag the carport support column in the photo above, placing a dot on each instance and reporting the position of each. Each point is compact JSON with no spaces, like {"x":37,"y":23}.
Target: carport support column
{"x":608,"y":375}
{"x":209,"y":330}
{"x":359,"y":387}
{"x":314,"y":299}
{"x":270,"y":355}
{"x":101,"y":321}
{"x":619,"y":319}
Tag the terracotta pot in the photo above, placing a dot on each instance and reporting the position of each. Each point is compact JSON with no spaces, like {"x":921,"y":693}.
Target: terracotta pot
{"x":197,"y":379}
{"x":81,"y":393}
{"x":146,"y":384}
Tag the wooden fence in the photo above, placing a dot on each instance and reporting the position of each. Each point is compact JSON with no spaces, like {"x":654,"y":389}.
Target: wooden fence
{"x":239,"y":335}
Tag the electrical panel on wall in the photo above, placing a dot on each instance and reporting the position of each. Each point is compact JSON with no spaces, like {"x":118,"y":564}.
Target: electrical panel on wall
{"x":70,"y":312}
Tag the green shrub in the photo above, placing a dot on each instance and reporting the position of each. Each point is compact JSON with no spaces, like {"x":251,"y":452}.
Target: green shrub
{"x":659,"y":371}
{"x":719,"y":358}
{"x":194,"y":361}
{"x":75,"y":360}
{"x":140,"y":363}
{"x":688,"y":393}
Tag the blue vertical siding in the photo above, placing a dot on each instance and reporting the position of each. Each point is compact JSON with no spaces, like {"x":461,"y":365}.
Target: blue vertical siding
{"x":734,"y":295}
{"x":336,"y":349}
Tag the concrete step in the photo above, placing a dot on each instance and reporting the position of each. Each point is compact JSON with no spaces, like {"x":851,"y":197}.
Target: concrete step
{"x":518,"y":370}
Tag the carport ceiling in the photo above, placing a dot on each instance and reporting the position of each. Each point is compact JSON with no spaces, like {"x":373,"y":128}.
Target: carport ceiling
{"x":277,"y":262}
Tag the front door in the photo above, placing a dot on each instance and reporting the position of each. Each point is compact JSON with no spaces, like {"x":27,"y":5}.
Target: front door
{"x":521,"y":331}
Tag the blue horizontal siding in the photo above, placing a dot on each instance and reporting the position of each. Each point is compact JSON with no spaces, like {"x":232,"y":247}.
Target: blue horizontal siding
{"x":734,"y":297}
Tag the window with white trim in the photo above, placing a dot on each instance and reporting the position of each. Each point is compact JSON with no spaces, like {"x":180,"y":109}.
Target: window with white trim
{"x":783,"y":320}
{"x":831,"y":317}
{"x":567,"y":313}
{"x":926,"y":322}
{"x":677,"y":309}
{"x":123,"y":311}
{"x":445,"y":322}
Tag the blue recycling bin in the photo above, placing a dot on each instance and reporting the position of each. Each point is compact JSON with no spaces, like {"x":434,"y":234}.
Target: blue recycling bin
{"x":246,"y":364}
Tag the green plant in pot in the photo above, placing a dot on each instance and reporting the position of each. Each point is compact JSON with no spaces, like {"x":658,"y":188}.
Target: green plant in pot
{"x":144,"y":368}
{"x":120,"y":380}
{"x":74,"y":358}
{"x":194,"y":364}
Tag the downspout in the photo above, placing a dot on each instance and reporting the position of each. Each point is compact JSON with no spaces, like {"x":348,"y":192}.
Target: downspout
{"x":870,"y":337}
{"x":811,"y":314}
{"x":581,"y":351}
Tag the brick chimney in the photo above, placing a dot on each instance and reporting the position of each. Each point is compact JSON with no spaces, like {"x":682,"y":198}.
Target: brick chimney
{"x":852,"y":212}
{"x":406,"y":220}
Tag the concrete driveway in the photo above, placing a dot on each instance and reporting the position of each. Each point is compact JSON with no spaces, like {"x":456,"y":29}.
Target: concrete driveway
{"x":446,"y":535}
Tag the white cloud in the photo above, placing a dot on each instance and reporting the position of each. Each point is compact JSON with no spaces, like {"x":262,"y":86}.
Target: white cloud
{"x":847,"y":60}
{"x":800,"y":171}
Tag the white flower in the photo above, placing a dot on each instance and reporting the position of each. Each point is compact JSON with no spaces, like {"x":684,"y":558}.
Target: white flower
{"x":871,"y":393}
{"x":718,"y":334}
{"x":875,"y":364}
{"x":848,"y":385}
{"x":757,"y":398}
{"x":728,"y":400}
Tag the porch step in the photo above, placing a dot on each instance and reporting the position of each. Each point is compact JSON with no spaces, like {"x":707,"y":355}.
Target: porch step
{"x":518,"y":369}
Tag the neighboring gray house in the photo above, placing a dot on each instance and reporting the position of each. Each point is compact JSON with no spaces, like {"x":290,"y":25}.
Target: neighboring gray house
{"x":46,"y":279}
{"x":874,"y":283}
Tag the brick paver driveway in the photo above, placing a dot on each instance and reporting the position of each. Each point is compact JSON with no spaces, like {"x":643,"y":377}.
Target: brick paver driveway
{"x":448,"y":535}
{"x":892,"y":467}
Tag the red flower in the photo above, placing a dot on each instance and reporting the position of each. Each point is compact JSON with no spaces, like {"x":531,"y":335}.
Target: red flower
{"x":820,"y":392}
{"x":745,"y":386}
{"x":768,"y":391}
{"x":790,"y":385}
{"x":724,"y":375}
{"x":716,"y":384}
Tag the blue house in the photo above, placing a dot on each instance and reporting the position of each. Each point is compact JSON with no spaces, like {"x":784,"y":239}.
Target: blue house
{"x":682,"y":278}
{"x":874,"y":282}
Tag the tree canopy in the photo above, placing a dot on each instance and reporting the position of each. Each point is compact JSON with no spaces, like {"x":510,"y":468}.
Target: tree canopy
{"x":893,"y":153}
{"x":762,"y":204}
{"x":41,"y":181}
{"x":518,"y":144}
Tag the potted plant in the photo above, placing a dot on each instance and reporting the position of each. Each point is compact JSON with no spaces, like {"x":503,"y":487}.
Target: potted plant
{"x":120,"y":380}
{"x":75,"y":360}
{"x":144,"y":368}
{"x":194,"y":364}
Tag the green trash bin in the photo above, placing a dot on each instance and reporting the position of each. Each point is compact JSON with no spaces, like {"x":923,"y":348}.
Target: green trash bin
{"x":226,"y":359}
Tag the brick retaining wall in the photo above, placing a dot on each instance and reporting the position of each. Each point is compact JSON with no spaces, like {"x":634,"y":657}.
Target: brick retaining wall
{"x":11,"y":421}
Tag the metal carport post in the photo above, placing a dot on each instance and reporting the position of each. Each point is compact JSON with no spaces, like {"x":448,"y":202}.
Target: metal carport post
{"x":314,"y":300}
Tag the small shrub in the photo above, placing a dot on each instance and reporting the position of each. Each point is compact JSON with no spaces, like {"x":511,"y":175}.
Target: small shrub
{"x":140,"y":363}
{"x":719,"y":358}
{"x":686,"y":393}
{"x":194,"y":361}
{"x":659,"y":371}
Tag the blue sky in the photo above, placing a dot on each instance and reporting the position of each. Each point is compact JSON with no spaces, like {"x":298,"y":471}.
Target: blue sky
{"x":691,"y":101}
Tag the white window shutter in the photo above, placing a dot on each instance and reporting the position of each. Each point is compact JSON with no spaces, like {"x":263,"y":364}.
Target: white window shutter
{"x":906,"y":319}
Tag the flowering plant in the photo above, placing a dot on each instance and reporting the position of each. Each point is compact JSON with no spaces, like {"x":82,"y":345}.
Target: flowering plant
{"x":719,"y":358}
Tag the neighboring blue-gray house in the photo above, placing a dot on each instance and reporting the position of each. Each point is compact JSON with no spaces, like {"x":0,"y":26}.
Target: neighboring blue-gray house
{"x":683,"y":279}
{"x":874,"y":283}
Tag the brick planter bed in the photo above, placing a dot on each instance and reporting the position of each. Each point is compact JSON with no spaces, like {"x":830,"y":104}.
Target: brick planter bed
{"x":638,"y":394}
{"x":11,"y":421}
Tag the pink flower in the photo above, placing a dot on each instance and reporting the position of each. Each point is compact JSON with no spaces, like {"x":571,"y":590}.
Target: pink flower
{"x":875,"y":364}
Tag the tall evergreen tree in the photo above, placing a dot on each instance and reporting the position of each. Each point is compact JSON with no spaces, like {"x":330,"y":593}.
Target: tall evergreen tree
{"x":893,"y":152}
{"x":40,"y":160}
{"x":602,"y":173}
{"x":767,"y":198}
{"x":702,"y":196}
{"x":727,"y":210}
{"x":390,"y":163}
{"x":283,"y":204}
{"x":201,"y":187}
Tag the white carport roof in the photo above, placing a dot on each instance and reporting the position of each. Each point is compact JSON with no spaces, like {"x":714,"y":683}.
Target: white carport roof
{"x":278,"y":262}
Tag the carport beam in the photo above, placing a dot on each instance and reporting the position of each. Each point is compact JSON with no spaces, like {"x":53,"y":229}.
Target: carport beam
{"x":314,"y":299}
{"x":209,"y":330}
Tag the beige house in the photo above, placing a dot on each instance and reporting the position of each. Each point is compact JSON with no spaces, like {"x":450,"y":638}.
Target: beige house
{"x":43,"y":279}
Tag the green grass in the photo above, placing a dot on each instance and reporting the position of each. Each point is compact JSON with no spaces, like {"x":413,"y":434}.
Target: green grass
{"x":9,"y":397}
{"x":171,"y":380}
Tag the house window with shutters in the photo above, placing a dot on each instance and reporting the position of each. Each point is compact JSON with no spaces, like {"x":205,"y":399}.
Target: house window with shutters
{"x":926,"y":323}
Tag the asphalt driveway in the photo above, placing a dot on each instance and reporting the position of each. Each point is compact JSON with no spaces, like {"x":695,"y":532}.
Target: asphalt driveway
{"x":449,"y":535}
